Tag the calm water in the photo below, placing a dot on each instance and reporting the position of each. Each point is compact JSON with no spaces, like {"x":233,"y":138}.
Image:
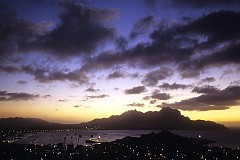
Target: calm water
{"x":229,"y":138}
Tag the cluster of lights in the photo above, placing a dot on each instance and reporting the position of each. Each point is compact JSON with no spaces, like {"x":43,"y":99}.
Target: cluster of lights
{"x":121,"y":148}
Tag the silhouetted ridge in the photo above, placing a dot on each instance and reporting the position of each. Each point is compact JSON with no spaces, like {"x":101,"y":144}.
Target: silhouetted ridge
{"x":165,"y":119}
{"x":32,"y":123}
{"x":25,"y":123}
{"x":167,"y":111}
{"x":166,"y":140}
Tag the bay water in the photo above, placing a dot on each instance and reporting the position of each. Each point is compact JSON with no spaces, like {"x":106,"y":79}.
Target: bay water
{"x":228,"y":138}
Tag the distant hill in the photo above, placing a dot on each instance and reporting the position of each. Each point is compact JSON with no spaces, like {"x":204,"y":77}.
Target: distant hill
{"x":32,"y":123}
{"x":165,"y":119}
{"x":25,"y":123}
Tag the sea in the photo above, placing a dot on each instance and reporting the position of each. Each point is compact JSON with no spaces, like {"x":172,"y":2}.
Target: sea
{"x":228,"y":138}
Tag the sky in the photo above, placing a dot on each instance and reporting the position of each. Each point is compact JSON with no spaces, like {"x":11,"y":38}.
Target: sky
{"x":73,"y":61}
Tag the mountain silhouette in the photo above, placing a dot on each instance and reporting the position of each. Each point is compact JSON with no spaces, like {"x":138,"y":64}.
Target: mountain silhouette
{"x":165,"y":119}
{"x":26,"y":123}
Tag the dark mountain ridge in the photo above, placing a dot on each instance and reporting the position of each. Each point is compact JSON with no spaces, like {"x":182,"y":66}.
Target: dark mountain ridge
{"x":19,"y":123}
{"x":165,"y":119}
{"x":26,"y":123}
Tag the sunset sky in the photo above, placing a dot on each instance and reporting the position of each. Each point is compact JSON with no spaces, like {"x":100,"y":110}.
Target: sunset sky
{"x":73,"y":61}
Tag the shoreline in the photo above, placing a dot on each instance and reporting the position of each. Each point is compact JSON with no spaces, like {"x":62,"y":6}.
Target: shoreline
{"x":162,"y":145}
{"x":227,"y":138}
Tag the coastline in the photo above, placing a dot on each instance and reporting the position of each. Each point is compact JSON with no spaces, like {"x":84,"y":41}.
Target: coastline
{"x":228,"y":138}
{"x":161,"y":145}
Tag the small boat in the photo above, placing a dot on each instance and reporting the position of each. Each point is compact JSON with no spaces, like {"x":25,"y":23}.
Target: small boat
{"x":93,"y":141}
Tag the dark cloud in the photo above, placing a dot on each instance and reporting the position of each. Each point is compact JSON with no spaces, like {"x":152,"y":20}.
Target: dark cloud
{"x":97,"y":97}
{"x":224,"y":38}
{"x":216,"y":33}
{"x":190,"y":72}
{"x":152,"y":78}
{"x":76,"y":106}
{"x":46,"y":96}
{"x":182,"y":45}
{"x":62,"y":100}
{"x":208,"y":80}
{"x":204,"y":3}
{"x":104,"y":60}
{"x":81,"y":30}
{"x":110,"y":59}
{"x":149,"y":3}
{"x":211,"y":40}
{"x":143,"y":26}
{"x":46,"y":75}
{"x":153,"y":101}
{"x":5,"y":96}
{"x":169,"y":46}
{"x":17,"y":35}
{"x":136,"y":105}
{"x":160,"y":96}
{"x":159,"y":106}
{"x":9,"y":69}
{"x":219,"y":100}
{"x":121,"y":43}
{"x":205,"y":89}
{"x":167,"y":86}
{"x":146,"y":98}
{"x":218,"y":26}
{"x":228,"y":55}
{"x":135,"y":90}
{"x":143,"y":55}
{"x":134,"y":75}
{"x":22,"y":82}
{"x":116,"y":74}
{"x":226,"y":72}
{"x":90,"y":89}
{"x":116,"y":88}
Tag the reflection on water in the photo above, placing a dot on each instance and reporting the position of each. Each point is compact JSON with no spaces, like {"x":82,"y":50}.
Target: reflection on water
{"x":229,"y":138}
{"x":76,"y":137}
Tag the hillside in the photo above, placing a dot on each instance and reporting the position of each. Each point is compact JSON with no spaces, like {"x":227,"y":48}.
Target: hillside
{"x":25,"y":123}
{"x":165,"y":119}
{"x":33,"y":123}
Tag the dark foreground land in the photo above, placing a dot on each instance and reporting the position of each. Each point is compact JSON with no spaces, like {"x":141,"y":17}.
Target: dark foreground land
{"x":163,"y":145}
